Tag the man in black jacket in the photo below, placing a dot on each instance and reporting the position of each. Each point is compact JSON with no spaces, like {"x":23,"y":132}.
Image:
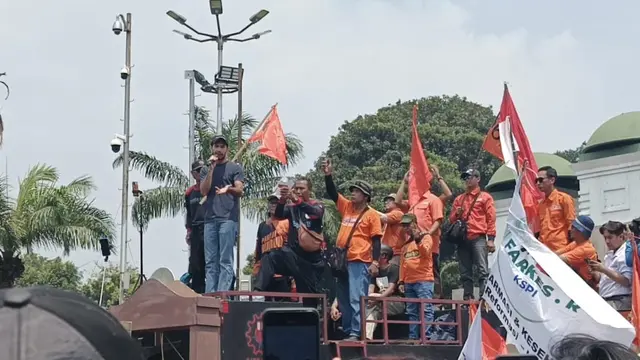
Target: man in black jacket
{"x":305,"y":267}
{"x":195,"y":230}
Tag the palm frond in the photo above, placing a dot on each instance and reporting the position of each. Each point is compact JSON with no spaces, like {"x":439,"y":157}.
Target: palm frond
{"x":330,"y":221}
{"x":163,"y":201}
{"x":154,"y":169}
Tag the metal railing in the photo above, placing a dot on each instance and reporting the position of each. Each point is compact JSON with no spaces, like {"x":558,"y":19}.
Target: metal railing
{"x":423,"y":324}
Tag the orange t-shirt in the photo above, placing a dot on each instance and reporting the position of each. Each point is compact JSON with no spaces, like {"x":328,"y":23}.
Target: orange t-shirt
{"x":427,"y":211}
{"x":416,"y":262}
{"x":369,"y":226}
{"x":576,"y":256}
{"x":482,"y":218}
{"x":394,"y":234}
{"x":556,"y":214}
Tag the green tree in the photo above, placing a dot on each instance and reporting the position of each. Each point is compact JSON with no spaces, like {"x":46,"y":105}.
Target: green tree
{"x":572,"y":155}
{"x":248,"y":265}
{"x":93,"y":286}
{"x":47,"y":214}
{"x":449,"y":278}
{"x":376,"y":147}
{"x":261,"y":172}
{"x":38,"y":270}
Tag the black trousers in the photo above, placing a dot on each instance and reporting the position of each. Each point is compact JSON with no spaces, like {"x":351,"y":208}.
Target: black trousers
{"x":196,"y":259}
{"x":473,"y":253}
{"x":286,"y":262}
{"x":280,"y":284}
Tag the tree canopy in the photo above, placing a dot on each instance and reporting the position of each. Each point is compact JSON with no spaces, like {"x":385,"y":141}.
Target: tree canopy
{"x":92,"y":287}
{"x":56,"y":272}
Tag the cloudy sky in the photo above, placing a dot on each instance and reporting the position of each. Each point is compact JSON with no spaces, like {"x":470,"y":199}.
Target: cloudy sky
{"x":571,"y":65}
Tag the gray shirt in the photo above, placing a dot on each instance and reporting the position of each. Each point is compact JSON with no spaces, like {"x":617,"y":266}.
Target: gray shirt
{"x":224,"y":206}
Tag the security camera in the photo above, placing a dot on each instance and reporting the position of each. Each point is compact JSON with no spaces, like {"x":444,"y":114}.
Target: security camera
{"x":117,"y":143}
{"x":117,"y":25}
{"x":124,"y":73}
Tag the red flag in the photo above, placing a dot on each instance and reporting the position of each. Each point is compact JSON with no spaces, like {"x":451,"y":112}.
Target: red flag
{"x":635,"y":293}
{"x":273,"y":143}
{"x":493,"y":344}
{"x":530,"y":194}
{"x":419,"y":173}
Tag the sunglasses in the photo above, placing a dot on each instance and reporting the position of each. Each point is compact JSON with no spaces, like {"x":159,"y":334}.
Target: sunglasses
{"x":539,"y":180}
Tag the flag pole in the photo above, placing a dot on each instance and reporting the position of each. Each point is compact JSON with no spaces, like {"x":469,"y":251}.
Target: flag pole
{"x":515,"y":151}
{"x":244,"y":146}
{"x":238,"y":247}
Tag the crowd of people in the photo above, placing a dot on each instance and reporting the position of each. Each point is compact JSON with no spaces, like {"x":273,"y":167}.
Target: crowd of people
{"x":394,"y":253}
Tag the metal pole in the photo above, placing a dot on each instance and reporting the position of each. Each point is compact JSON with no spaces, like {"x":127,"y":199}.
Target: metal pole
{"x":124,"y":218}
{"x":192,"y":118}
{"x":219,"y":89}
{"x":141,"y":232}
{"x":240,"y":76}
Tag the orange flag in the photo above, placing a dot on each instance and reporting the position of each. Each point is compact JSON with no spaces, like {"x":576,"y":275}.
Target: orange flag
{"x":271,"y":136}
{"x":419,"y":173}
{"x":530,"y":194}
{"x":635,"y":293}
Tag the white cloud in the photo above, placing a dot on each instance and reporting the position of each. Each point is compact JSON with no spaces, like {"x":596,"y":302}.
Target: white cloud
{"x":325,"y":62}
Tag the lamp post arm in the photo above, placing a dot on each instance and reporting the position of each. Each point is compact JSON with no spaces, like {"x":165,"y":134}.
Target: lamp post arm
{"x":199,"y":33}
{"x":228,"y":36}
{"x":241,"y":40}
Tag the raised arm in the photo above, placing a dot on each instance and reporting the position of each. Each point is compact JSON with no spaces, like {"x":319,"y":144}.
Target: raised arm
{"x":399,"y":200}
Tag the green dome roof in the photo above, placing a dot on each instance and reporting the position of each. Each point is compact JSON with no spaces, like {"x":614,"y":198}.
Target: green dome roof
{"x":504,"y":174}
{"x":622,"y":128}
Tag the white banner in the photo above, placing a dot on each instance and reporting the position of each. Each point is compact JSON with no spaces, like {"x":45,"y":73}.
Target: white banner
{"x":539,"y":298}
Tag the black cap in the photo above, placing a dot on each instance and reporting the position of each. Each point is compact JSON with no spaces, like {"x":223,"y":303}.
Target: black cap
{"x":46,"y":323}
{"x":272,"y":198}
{"x":197,"y":165}
{"x":219,"y":138}
{"x":469,"y":172}
{"x":362,"y":186}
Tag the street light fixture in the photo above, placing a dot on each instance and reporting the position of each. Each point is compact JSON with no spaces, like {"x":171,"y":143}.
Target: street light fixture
{"x":124,"y":24}
{"x":216,"y":9}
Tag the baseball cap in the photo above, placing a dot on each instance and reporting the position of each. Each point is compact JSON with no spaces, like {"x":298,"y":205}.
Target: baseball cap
{"x":272,"y":198}
{"x":469,"y":172}
{"x":197,"y":165}
{"x":408,"y":219}
{"x":584,"y":224}
{"x":218,"y":138}
{"x":43,"y":323}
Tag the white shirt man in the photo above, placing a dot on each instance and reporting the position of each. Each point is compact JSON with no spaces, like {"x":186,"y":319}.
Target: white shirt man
{"x":615,"y":275}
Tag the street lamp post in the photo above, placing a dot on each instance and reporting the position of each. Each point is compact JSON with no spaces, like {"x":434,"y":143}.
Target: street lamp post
{"x":124,"y":24}
{"x":228,"y":80}
{"x":220,"y":39}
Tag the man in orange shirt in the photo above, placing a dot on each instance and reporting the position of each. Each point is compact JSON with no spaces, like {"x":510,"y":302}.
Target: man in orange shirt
{"x":430,"y":212}
{"x":556,"y":212}
{"x":361,"y":233}
{"x":416,"y":272}
{"x":477,"y":209}
{"x":581,"y":252}
{"x":393,"y":235}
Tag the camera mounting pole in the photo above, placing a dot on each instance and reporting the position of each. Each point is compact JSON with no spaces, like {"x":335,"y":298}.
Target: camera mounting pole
{"x":123,"y":23}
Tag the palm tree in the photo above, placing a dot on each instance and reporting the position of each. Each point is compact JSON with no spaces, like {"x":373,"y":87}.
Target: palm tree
{"x":167,"y":200}
{"x":46,"y":214}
